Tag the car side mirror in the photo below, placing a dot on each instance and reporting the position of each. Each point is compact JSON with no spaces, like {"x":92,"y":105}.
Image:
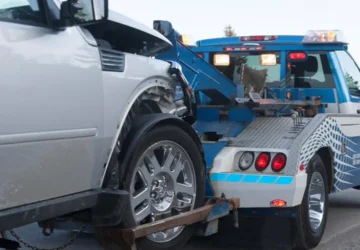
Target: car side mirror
{"x":84,"y":12}
{"x":163,"y":27}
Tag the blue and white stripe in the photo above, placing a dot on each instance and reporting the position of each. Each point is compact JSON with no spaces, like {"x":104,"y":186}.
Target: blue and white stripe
{"x":250,"y":178}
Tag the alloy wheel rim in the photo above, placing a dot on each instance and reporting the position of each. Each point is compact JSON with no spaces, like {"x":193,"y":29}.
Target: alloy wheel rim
{"x":316,"y":201}
{"x":164,"y":185}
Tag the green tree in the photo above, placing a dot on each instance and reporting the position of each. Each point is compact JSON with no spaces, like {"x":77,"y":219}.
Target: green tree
{"x":229,"y":31}
{"x":350,"y":81}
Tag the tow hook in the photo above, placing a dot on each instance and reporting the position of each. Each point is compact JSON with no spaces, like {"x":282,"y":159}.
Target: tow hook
{"x":47,"y":227}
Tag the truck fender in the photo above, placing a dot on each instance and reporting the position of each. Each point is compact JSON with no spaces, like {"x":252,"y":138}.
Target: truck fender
{"x":143,"y":124}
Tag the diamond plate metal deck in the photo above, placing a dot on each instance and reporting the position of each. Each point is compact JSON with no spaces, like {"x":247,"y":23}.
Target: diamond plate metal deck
{"x":268,"y":132}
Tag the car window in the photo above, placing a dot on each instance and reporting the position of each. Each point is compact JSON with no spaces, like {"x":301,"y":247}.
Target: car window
{"x":351,"y":72}
{"x":24,"y":11}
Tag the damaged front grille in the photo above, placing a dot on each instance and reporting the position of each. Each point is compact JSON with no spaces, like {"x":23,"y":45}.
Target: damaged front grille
{"x":112,"y":60}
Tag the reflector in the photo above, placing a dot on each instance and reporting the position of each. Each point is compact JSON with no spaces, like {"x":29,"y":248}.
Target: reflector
{"x":278,"y":203}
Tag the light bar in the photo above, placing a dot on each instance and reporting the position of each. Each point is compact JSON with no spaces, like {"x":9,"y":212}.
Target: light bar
{"x":324,"y":36}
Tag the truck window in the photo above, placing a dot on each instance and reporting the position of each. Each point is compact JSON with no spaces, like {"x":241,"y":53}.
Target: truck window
{"x":21,"y":11}
{"x":252,"y":60}
{"x":351,"y":72}
{"x":315,"y":72}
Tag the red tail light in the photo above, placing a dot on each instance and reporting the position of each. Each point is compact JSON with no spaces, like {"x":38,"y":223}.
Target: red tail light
{"x":245,"y":48}
{"x":257,"y":38}
{"x":297,"y":56}
{"x":262,"y":161}
{"x":200,"y":55}
{"x":278,"y":163}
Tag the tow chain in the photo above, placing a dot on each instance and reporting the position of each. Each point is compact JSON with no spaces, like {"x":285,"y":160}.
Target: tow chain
{"x":28,"y":245}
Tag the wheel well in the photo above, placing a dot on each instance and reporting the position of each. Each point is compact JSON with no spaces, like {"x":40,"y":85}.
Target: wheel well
{"x":145,"y":123}
{"x":327,"y":158}
{"x":153,"y":100}
{"x":185,"y":126}
{"x":148,"y":107}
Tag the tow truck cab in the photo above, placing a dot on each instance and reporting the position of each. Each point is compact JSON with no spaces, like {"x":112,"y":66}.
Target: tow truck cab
{"x":317,"y":64}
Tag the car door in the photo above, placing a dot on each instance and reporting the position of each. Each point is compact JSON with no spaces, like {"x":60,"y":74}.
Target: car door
{"x":51,"y":107}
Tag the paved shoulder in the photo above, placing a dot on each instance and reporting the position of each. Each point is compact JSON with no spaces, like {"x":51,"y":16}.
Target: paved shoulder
{"x":342,"y":232}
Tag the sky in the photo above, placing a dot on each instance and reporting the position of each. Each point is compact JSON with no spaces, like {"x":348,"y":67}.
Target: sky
{"x":202,"y":19}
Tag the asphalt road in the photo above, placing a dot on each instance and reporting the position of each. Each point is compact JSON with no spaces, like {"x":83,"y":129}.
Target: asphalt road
{"x":343,"y":230}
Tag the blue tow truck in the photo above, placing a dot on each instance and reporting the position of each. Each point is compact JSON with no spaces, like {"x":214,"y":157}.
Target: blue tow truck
{"x":279,"y":120}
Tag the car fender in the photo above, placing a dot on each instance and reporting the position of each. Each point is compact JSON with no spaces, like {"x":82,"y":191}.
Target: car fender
{"x":140,"y":126}
{"x":155,"y":81}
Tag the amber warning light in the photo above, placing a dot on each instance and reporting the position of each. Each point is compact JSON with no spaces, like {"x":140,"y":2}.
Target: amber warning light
{"x":324,"y":36}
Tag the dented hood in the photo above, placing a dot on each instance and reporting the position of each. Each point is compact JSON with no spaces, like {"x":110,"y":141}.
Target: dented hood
{"x":120,"y":18}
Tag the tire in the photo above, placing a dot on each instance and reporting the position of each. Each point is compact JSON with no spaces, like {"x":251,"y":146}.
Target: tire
{"x":179,"y":140}
{"x":308,"y":237}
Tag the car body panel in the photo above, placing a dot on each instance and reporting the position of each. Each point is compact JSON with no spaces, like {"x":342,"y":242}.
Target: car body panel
{"x":61,"y":112}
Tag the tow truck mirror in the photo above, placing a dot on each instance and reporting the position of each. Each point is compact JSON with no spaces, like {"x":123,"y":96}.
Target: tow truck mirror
{"x":268,"y":60}
{"x":163,"y":27}
{"x":221,"y":60}
{"x":84,"y":12}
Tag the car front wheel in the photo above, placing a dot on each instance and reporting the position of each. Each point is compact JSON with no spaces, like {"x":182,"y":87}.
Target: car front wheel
{"x":166,"y":177}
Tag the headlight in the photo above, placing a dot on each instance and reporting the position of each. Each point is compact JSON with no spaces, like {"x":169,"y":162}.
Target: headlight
{"x":246,"y":160}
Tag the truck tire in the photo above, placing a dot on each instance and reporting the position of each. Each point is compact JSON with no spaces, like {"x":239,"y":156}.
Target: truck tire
{"x":312,"y":213}
{"x":166,"y":177}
